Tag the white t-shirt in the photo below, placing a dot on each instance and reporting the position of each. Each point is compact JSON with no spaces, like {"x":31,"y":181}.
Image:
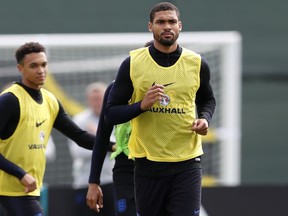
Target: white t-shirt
{"x":82,"y":157}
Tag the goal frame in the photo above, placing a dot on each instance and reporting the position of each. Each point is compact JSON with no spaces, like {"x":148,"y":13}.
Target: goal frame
{"x":230,"y":45}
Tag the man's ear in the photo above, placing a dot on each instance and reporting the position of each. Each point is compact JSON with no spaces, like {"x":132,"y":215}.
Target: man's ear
{"x":150,"y":26}
{"x":20,"y":68}
{"x":180,"y":26}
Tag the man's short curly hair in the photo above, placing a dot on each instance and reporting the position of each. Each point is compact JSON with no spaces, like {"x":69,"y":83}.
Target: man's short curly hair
{"x":163,"y":6}
{"x":27,"y":48}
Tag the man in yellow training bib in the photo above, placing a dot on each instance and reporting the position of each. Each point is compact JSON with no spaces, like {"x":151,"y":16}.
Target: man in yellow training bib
{"x":165,"y":91}
{"x":28,"y":113}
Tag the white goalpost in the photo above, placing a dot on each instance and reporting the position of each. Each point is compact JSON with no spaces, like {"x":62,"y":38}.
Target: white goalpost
{"x":75,"y":60}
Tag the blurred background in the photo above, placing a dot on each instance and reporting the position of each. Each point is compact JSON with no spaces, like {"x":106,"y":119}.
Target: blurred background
{"x":264,"y":67}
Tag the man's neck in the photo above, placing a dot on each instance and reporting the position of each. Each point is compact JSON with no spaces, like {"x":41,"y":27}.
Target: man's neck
{"x":28,"y":85}
{"x":165,"y":49}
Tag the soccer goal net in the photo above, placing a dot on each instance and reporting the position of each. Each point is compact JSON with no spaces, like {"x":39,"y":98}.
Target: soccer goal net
{"x":75,"y":60}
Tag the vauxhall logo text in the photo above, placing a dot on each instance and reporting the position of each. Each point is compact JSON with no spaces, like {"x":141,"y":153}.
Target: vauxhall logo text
{"x":167,"y":110}
{"x":36,"y":146}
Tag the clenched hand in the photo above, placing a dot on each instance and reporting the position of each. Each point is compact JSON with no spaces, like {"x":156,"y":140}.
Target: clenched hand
{"x":94,"y":198}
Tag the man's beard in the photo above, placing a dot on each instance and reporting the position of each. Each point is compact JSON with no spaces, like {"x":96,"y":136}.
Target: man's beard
{"x":166,"y":42}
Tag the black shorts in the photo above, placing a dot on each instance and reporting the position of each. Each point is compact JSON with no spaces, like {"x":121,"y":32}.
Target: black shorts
{"x":123,"y":180}
{"x":172,"y":195}
{"x":21,"y":206}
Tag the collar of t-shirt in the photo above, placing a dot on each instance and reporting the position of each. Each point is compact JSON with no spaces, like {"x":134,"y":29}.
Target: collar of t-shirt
{"x":165,"y":59}
{"x":35,"y":94}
